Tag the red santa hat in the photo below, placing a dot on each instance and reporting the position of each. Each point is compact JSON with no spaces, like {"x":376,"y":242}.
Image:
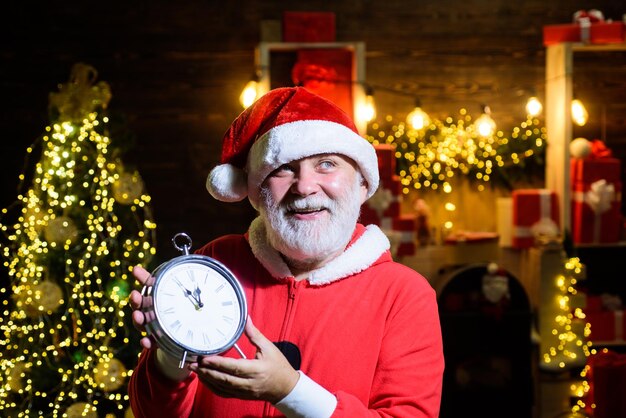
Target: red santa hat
{"x":285,"y":125}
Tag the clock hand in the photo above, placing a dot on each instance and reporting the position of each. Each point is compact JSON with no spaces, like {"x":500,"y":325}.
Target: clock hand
{"x":189,"y":295}
{"x":197,"y":293}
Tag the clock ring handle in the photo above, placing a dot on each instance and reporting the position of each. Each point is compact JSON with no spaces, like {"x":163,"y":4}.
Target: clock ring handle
{"x":182,"y":242}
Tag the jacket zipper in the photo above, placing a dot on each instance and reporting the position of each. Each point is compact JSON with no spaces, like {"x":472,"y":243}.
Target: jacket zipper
{"x":292,"y":294}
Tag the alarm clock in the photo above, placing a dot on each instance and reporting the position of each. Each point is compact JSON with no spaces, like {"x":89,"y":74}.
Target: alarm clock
{"x":194,"y":305}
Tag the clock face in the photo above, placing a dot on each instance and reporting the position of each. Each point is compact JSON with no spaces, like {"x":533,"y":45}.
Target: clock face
{"x":200,"y":307}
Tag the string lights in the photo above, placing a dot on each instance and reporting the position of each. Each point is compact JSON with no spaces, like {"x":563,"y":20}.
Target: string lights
{"x":568,"y":346}
{"x":430,"y":158}
{"x":71,"y":240}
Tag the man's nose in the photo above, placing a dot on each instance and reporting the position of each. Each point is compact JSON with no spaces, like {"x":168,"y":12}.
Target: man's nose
{"x":305,"y":183}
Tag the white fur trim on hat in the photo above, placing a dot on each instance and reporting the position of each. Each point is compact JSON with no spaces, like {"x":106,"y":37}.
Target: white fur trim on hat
{"x":227,"y":183}
{"x":300,"y":139}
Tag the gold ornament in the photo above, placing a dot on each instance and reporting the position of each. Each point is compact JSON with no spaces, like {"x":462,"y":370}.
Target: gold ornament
{"x":16,"y":377}
{"x":60,"y":230}
{"x":110,"y":374}
{"x":129,"y":413}
{"x":78,"y":97}
{"x":81,"y":410}
{"x":43,"y":297}
{"x":127,"y":188}
{"x":48,"y":296}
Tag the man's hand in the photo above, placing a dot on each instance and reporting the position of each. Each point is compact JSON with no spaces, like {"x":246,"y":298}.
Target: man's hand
{"x":139,"y":318}
{"x":268,"y":376}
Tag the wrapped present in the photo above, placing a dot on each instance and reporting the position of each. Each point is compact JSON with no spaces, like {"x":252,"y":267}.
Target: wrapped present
{"x":535,"y":213}
{"x":596,"y":213}
{"x":308,"y":27}
{"x":587,"y":27}
{"x":385,"y":203}
{"x":606,"y":376}
{"x":596,"y":200}
{"x":605,"y":314}
{"x":406,"y":226}
{"x":386,"y":161}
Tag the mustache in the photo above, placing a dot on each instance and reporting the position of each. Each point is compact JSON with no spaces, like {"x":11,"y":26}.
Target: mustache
{"x":308,"y":204}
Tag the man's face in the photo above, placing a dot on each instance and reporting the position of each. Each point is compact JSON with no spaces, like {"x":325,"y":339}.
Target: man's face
{"x":310,"y":206}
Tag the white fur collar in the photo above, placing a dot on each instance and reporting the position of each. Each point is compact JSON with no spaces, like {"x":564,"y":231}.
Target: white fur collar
{"x":357,"y":257}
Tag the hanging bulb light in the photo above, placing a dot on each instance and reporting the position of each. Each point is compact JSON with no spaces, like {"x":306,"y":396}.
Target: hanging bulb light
{"x":418,"y":119}
{"x":250,"y":92}
{"x":579,"y":113}
{"x":533,"y":107}
{"x":485,"y":125}
{"x":367,"y":111}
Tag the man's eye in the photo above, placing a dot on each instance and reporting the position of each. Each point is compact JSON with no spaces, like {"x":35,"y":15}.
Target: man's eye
{"x":326,"y":164}
{"x":282,"y":170}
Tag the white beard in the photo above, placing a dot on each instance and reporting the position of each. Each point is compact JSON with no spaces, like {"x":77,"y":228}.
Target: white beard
{"x":309,"y":241}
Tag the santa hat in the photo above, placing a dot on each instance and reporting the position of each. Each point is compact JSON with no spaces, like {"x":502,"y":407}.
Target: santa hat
{"x":285,"y":125}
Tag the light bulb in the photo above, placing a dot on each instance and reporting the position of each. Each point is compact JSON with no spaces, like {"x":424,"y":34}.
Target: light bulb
{"x":249,"y":93}
{"x":533,"y":106}
{"x":418,"y":119}
{"x":579,"y":113}
{"x":367,"y":110}
{"x":485,"y":124}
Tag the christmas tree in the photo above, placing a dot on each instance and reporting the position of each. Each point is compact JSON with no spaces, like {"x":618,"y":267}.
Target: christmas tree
{"x":78,"y":226}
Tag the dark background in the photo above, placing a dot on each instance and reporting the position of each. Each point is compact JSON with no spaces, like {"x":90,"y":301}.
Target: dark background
{"x":176,"y":70}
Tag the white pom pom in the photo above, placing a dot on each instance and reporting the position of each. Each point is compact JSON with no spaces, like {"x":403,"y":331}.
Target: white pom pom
{"x":227,"y":183}
{"x":580,"y":148}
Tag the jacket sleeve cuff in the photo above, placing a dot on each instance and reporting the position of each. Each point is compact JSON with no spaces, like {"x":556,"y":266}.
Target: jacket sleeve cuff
{"x":168,"y":366}
{"x":307,"y":400}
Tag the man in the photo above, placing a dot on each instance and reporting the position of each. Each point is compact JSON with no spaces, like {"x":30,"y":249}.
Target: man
{"x":335,"y":327}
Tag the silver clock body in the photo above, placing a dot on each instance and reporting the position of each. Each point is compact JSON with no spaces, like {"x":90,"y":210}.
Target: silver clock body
{"x":194,"y":306}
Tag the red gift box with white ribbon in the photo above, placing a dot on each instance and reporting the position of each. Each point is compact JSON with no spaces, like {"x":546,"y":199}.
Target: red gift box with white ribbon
{"x":535,"y":212}
{"x":587,"y":27}
{"x":596,"y":200}
{"x":605,"y":314}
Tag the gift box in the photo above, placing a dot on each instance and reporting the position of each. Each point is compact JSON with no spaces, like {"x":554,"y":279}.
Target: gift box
{"x":606,"y":375}
{"x":596,"y":200}
{"x":605,"y":314}
{"x":386,"y":161}
{"x":405,"y":226}
{"x":535,"y":212}
{"x":308,"y":27}
{"x":598,"y":33}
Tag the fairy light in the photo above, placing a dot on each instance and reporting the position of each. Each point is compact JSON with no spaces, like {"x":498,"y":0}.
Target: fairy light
{"x":569,"y":335}
{"x":430,"y":158}
{"x":69,"y":255}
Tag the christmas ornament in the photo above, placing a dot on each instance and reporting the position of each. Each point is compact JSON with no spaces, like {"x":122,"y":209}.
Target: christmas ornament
{"x":580,"y":148}
{"x":61,"y":230}
{"x":495,"y":284}
{"x":119,"y":287}
{"x":48,"y":296}
{"x":77,"y":98}
{"x":110,"y":374}
{"x":81,"y":410}
{"x":127,"y":188}
{"x":16,"y":377}
{"x":129,"y":413}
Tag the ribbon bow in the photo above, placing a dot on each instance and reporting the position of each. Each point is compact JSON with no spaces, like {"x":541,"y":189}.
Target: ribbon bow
{"x":79,"y":96}
{"x":593,"y":15}
{"x":600,"y":196}
{"x":599,"y":150}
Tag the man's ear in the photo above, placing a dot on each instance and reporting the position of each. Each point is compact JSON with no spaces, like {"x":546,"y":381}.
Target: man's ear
{"x":363,"y":189}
